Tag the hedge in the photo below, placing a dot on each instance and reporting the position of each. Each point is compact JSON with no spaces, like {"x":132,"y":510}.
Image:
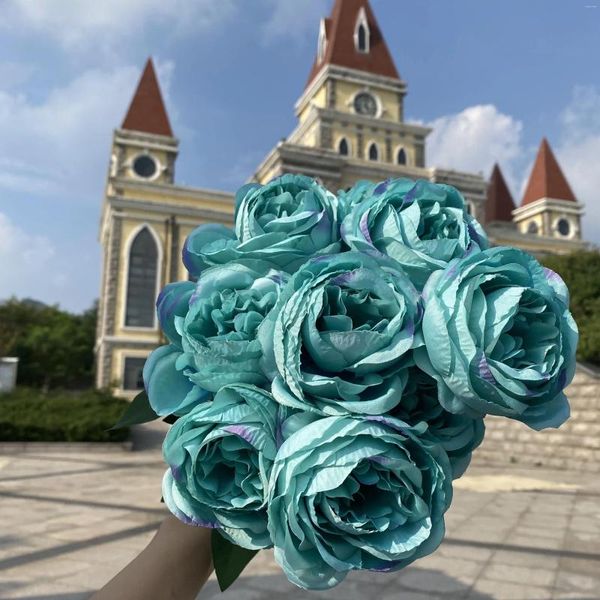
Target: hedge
{"x":27,"y":415}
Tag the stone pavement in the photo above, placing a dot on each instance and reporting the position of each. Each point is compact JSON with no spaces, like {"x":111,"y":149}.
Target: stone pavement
{"x":69,"y":522}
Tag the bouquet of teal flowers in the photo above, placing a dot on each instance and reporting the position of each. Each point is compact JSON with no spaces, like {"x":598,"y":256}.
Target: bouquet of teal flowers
{"x":329,"y":369}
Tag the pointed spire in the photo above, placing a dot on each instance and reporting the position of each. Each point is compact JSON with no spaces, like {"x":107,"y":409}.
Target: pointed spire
{"x":547,"y":179}
{"x":147,"y":111}
{"x":500,"y":203}
{"x":341,"y":30}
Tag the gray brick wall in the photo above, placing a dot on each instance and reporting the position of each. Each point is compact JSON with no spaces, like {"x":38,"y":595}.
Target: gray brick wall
{"x":575,"y":446}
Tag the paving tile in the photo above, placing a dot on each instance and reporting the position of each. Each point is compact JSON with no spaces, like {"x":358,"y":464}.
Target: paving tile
{"x":496,"y":590}
{"x":526,"y":559}
{"x":535,"y":576}
{"x":569,"y":582}
{"x":431,"y":581}
{"x":485,"y":527}
{"x":472,"y":553}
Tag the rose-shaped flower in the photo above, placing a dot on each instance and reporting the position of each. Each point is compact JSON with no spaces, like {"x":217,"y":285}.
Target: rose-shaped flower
{"x":337,"y":340}
{"x":167,"y":370}
{"x":459,"y":435}
{"x":218,"y":331}
{"x":208,"y":245}
{"x":220,"y":457}
{"x":356,"y":493}
{"x":421,"y":225}
{"x":286,"y":221}
{"x":499,"y":338}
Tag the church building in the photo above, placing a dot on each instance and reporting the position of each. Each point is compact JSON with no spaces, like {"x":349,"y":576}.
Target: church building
{"x":350,"y":127}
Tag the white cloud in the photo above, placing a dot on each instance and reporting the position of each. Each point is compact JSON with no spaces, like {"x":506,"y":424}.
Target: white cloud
{"x":578,"y":154}
{"x":25,"y":261}
{"x":78,"y":24}
{"x":290,"y":19}
{"x":14,"y":74}
{"x":54,"y":150}
{"x":61,"y":145}
{"x":474,"y":139}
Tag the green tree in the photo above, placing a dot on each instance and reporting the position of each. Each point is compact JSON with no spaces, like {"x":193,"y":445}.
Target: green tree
{"x":55,"y":348}
{"x":581,"y":273}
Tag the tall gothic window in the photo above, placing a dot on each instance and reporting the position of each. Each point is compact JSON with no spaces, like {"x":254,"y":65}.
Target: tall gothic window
{"x":373,"y":152}
{"x":361,"y":32}
{"x":401,"y":158}
{"x":362,"y":38}
{"x":343,"y":148}
{"x":141,"y":281}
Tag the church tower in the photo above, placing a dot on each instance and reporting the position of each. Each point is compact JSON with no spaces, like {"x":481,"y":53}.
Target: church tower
{"x":145,"y":219}
{"x":144,"y":148}
{"x":549,"y":208}
{"x":351,"y":122}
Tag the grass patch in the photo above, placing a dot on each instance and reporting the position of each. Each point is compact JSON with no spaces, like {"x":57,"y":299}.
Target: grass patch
{"x":26,"y":415}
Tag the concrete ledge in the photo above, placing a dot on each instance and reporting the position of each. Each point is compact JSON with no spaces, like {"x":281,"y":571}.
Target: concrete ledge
{"x":65,"y":447}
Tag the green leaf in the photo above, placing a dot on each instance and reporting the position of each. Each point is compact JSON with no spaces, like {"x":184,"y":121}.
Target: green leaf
{"x":138,"y":411}
{"x":229,"y":560}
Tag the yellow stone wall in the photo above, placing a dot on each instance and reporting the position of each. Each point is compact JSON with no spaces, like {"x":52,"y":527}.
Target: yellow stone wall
{"x":538,"y":219}
{"x":319,"y":99}
{"x":346,"y":90}
{"x":132,"y":220}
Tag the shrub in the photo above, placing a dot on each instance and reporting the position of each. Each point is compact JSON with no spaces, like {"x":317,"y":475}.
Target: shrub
{"x":60,"y":416}
{"x":581,"y":272}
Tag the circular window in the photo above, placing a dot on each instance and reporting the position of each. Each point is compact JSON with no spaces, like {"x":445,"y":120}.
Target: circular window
{"x":564,"y":227}
{"x":365,"y":104}
{"x":144,"y":166}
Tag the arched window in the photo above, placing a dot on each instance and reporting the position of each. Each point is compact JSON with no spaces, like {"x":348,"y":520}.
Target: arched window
{"x":343,"y":147}
{"x":373,"y":152}
{"x":401,"y":157}
{"x":141,"y":280}
{"x":361,"y":32}
{"x":362,"y":38}
{"x":532,"y":228}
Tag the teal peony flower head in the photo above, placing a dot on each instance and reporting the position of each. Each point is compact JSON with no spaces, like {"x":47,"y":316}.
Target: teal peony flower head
{"x":220,"y":457}
{"x":499,"y":338}
{"x":208,"y":245}
{"x":167,"y":372}
{"x":339,"y":336}
{"x":219,"y":329}
{"x":458,"y":434}
{"x":419,"y":224}
{"x":356,"y":493}
{"x":287,"y":221}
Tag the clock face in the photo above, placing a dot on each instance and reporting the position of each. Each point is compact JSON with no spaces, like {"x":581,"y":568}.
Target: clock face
{"x":365,"y":104}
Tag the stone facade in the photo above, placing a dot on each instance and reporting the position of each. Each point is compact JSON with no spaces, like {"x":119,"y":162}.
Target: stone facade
{"x":575,"y":446}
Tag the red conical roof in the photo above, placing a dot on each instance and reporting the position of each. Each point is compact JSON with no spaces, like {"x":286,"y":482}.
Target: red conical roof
{"x":500,"y":203}
{"x":147,"y":111}
{"x":547,"y":179}
{"x":341,"y":49}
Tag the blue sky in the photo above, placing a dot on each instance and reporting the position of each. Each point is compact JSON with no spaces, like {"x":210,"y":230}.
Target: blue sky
{"x":491,"y":77}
